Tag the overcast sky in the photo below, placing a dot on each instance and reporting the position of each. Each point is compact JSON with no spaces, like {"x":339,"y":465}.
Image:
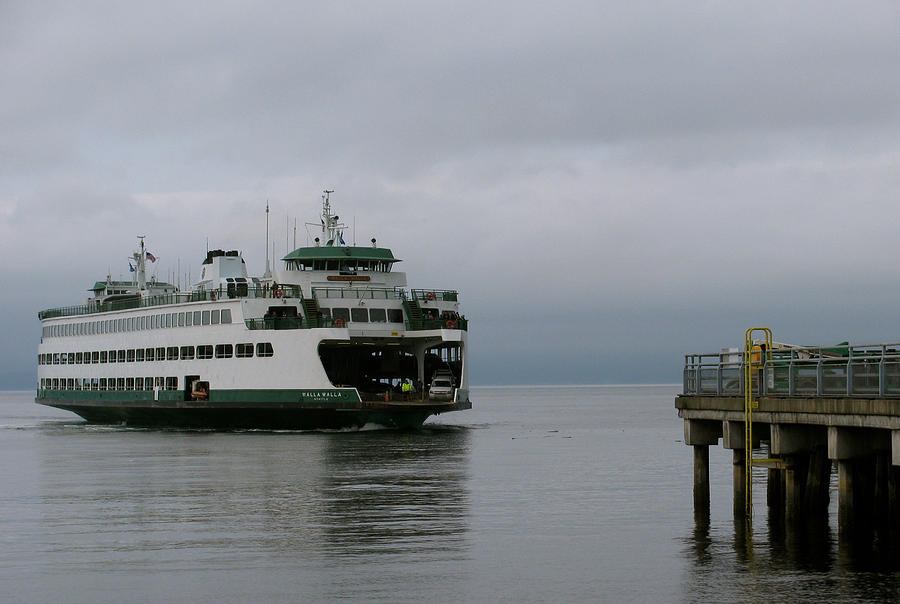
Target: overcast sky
{"x":609,"y":185}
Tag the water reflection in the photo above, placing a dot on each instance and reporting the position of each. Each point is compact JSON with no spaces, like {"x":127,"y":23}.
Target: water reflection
{"x":151,"y":501}
{"x":391,"y":493}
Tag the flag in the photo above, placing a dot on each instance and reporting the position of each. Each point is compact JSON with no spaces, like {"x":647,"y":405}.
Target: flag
{"x":151,"y":257}
{"x":130,"y":267}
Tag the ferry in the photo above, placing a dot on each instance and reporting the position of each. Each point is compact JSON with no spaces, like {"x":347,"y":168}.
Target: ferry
{"x":331,"y":339}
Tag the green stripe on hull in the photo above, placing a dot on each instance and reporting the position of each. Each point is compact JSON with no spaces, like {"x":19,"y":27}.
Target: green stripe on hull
{"x":290,"y":395}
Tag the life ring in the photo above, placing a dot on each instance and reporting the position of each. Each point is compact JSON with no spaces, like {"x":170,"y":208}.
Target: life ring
{"x":451,"y":324}
{"x":338,"y":322}
{"x":278,"y":292}
{"x":429,"y":296}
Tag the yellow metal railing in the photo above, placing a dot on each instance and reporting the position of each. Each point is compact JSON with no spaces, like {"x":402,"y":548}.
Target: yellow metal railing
{"x":755,"y":357}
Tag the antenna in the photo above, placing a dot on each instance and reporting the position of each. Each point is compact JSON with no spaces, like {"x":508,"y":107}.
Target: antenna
{"x":268,"y":272}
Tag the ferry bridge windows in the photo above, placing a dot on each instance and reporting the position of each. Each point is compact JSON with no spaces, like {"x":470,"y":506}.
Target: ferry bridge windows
{"x":205,"y":352}
{"x":187,"y":353}
{"x":226,"y":316}
{"x":377,"y":315}
{"x":188,"y":319}
{"x":359,"y":315}
{"x":395,"y":315}
{"x":224,"y":351}
{"x":197,"y":314}
{"x":341,"y":313}
{"x":214,"y":317}
{"x":244,"y":351}
{"x":264,"y":349}
{"x":205,"y":317}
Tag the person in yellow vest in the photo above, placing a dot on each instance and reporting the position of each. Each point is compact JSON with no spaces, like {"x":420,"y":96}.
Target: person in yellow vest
{"x":406,"y":388}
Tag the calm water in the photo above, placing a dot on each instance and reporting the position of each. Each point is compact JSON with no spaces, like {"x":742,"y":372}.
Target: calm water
{"x":539,"y":494}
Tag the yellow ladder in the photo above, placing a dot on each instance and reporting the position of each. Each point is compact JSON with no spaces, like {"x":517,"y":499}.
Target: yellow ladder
{"x":755,"y":357}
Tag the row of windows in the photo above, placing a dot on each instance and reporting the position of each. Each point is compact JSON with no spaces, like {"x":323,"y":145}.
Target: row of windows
{"x":157,"y":321}
{"x":365,"y":315}
{"x":130,"y":383}
{"x":170,"y":353}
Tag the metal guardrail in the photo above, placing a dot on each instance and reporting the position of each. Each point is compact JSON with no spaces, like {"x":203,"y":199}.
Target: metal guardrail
{"x":322,"y":293}
{"x":287,"y":291}
{"x":871,"y":371}
{"x":446,"y":295}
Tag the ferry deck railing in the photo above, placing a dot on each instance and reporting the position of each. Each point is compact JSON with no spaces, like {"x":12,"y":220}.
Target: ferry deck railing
{"x":222,"y":293}
{"x":870,"y":371}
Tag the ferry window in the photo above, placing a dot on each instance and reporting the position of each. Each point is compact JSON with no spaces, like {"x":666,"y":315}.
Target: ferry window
{"x":148,"y":383}
{"x":181,"y":319}
{"x":204,"y":352}
{"x":120,"y":325}
{"x":121,"y":356}
{"x":159,"y":382}
{"x":395,"y":315}
{"x":196,"y":317}
{"x":55,"y":384}
{"x":187,"y":318}
{"x":129,"y":383}
{"x":87,"y":358}
{"x":171,"y":383}
{"x":340,"y":313}
{"x":56,"y":358}
{"x":359,"y":315}
{"x":187,"y":353}
{"x":78,"y":358}
{"x":70,"y":384}
{"x":129,"y":355}
{"x":153,"y":322}
{"x":149,"y":354}
{"x":102,"y":385}
{"x":160,"y":354}
{"x":206,"y":317}
{"x":173,"y":319}
{"x":71,"y":358}
{"x":120,"y":384}
{"x":99,"y":357}
{"x":223,"y":351}
{"x":112,"y":356}
{"x":377,"y":315}
{"x":139,"y":356}
{"x":172,"y":353}
{"x":325,"y":312}
{"x":214,"y":318}
{"x":264,"y":349}
{"x":226,"y":315}
{"x":138,"y":383}
{"x":244,"y":351}
{"x":62,"y":358}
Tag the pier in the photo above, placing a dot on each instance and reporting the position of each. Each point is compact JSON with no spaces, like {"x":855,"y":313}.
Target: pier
{"x":801,"y":412}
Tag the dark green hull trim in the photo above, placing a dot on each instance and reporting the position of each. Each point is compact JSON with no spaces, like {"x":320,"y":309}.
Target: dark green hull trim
{"x":253,"y":415}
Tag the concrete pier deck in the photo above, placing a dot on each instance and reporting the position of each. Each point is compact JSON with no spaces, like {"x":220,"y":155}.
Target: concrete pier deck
{"x":812,"y":412}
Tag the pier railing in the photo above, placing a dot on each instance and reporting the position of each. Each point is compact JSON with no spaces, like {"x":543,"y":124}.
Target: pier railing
{"x":871,"y":371}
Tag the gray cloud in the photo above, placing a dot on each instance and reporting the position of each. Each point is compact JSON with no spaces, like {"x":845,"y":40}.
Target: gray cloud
{"x":626,"y":166}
